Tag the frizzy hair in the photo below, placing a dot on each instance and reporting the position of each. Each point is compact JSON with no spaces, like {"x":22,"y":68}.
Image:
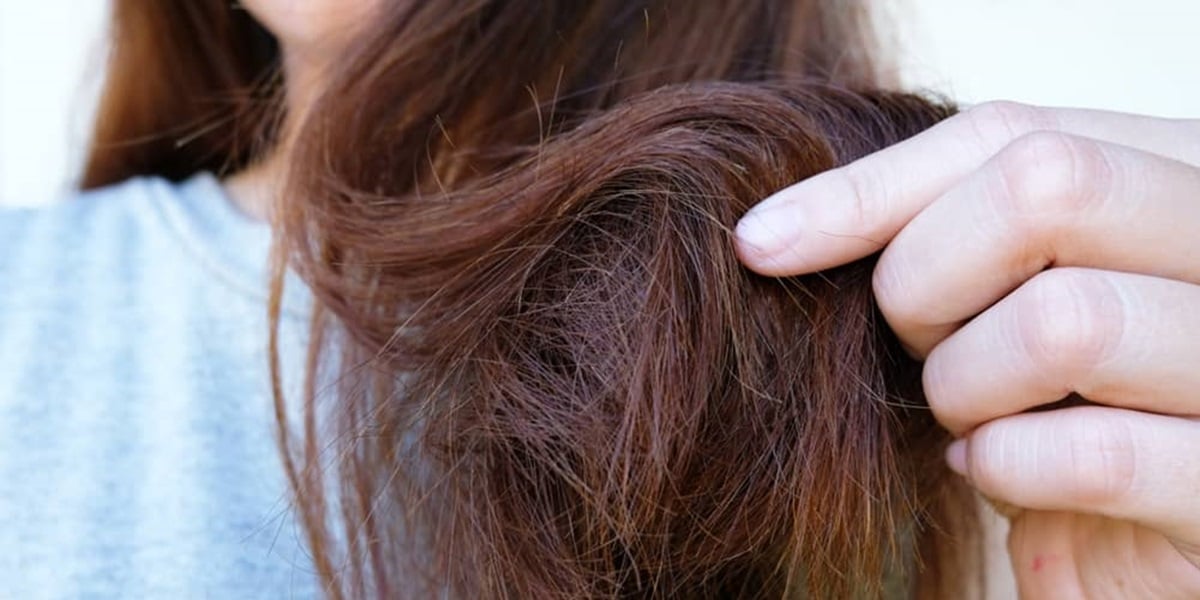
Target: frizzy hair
{"x":445,"y":145}
{"x":558,"y":381}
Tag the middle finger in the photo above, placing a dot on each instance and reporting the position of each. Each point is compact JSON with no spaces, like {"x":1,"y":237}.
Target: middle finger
{"x":1048,"y":199}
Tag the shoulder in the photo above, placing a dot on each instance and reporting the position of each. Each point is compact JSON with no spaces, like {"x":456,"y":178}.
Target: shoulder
{"x":115,"y":234}
{"x":46,"y":247}
{"x":137,"y":243}
{"x":129,"y":254}
{"x":123,"y":200}
{"x":133,"y":367}
{"x":74,"y":227}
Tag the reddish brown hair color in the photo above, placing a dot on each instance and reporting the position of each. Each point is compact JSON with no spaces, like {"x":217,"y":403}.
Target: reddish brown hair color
{"x":575,"y":390}
{"x":545,"y":375}
{"x":188,"y":88}
{"x":193,"y":85}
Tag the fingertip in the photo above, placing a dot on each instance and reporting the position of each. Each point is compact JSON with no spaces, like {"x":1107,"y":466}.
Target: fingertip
{"x":759,"y":243}
{"x":772,"y":237}
{"x":956,"y":456}
{"x":756,"y":234}
{"x":798,"y":230}
{"x":773,"y":225}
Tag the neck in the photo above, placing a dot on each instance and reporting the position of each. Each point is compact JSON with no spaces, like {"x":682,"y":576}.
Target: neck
{"x":254,"y":189}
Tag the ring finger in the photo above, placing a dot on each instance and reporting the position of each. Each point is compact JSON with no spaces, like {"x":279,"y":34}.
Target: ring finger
{"x":1118,"y":339}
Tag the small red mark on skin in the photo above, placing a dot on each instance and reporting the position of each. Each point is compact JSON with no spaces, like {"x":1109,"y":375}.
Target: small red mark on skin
{"x":1038,"y":562}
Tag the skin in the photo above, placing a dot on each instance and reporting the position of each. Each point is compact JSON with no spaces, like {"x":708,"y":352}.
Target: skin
{"x":311,"y":34}
{"x":311,"y":31}
{"x":1030,"y":253}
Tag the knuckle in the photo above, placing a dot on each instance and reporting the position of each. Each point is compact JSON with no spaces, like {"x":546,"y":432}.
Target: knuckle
{"x":1102,"y":460}
{"x":996,"y":123}
{"x":895,"y":297}
{"x":1081,"y":459}
{"x":933,"y":382}
{"x":1068,"y":322}
{"x":866,"y":200}
{"x":1044,"y":177}
{"x":942,"y":380}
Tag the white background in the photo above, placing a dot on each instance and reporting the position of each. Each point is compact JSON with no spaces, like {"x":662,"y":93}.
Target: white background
{"x":1134,"y":55}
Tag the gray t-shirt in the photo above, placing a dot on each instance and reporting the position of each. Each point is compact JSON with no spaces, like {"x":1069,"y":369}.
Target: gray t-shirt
{"x":137,"y":441}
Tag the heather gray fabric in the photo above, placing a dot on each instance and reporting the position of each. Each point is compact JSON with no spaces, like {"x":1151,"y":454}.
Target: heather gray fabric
{"x":137,"y":449}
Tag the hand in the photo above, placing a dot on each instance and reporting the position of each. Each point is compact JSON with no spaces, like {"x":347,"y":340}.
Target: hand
{"x":1032,"y":253}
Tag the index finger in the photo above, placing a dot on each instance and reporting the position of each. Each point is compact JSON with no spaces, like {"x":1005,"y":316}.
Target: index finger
{"x":850,"y":212}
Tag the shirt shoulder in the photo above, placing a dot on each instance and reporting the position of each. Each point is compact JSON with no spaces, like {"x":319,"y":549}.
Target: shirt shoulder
{"x":135,"y":403}
{"x":119,"y":236}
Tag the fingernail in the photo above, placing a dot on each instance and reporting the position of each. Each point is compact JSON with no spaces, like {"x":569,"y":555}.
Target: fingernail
{"x":760,"y":231}
{"x":956,"y":457}
{"x":772,"y":224}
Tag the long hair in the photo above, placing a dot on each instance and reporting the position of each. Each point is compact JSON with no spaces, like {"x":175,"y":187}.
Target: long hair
{"x":558,"y":382}
{"x":194,"y":85}
{"x":191,"y":85}
{"x":535,"y":368}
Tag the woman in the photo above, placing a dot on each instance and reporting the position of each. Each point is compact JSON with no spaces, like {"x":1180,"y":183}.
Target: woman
{"x":158,"y":119}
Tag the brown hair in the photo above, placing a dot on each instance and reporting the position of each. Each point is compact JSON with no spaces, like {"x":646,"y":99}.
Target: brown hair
{"x":191,"y":86}
{"x":194,"y":85}
{"x":575,"y":390}
{"x":542,"y":372}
